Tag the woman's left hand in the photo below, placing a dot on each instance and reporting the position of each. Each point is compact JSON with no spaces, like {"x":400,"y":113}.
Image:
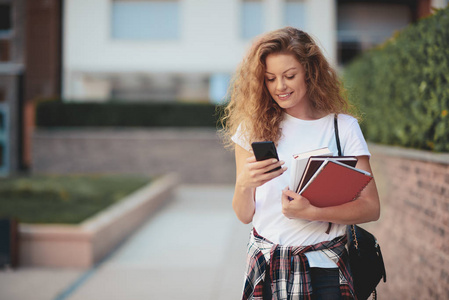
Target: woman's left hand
{"x":295,"y":206}
{"x":365,"y":208}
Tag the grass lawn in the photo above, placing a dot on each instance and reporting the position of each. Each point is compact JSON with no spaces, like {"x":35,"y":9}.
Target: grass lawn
{"x":63,"y":199}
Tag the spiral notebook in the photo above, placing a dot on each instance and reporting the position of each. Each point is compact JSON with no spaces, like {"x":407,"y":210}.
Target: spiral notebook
{"x":335,"y":183}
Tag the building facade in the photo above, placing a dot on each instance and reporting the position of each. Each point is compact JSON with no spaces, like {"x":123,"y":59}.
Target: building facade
{"x":30,"y":51}
{"x":162,"y":50}
{"x":188,"y":49}
{"x":11,"y":81}
{"x":179,"y":49}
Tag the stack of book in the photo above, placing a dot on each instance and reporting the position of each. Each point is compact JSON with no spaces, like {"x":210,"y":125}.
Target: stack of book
{"x":327,"y":180}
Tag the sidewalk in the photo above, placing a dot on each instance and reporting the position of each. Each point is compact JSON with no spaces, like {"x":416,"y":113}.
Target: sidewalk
{"x":193,"y":248}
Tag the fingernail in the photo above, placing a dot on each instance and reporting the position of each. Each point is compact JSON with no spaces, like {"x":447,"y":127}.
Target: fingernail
{"x":274,"y":161}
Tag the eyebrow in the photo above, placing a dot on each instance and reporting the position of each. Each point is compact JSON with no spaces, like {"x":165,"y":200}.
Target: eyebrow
{"x":294,"y":68}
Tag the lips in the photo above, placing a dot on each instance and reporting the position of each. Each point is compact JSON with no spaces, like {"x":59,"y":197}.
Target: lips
{"x":284,"y":96}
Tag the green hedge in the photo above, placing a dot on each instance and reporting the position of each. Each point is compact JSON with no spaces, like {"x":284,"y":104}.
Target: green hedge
{"x":151,"y":114}
{"x":402,"y":87}
{"x":63,"y":199}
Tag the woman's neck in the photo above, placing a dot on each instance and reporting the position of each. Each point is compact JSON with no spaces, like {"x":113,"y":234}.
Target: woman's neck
{"x":306,"y":114}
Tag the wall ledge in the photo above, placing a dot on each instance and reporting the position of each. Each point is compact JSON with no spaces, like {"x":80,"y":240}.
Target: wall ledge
{"x":83,"y":245}
{"x":408,"y":153}
{"x":127,"y":133}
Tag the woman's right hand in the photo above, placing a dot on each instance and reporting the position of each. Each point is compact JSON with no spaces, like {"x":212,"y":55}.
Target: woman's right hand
{"x":255,"y":173}
{"x":249,"y":175}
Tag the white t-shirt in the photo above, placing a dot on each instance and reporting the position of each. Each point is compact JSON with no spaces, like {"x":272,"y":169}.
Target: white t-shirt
{"x":300,"y":136}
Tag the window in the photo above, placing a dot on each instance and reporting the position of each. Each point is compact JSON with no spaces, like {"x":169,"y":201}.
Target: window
{"x":2,"y":95}
{"x":5,"y":18}
{"x":5,"y":32}
{"x":347,"y":51}
{"x":5,"y":53}
{"x":3,"y":138}
{"x":360,"y":26}
{"x":2,"y":156}
{"x":295,"y":14}
{"x":2,"y":122}
{"x":145,"y":20}
{"x":218,"y":87}
{"x":252,"y":18}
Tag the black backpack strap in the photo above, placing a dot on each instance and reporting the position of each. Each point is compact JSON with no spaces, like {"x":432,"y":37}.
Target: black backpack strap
{"x":337,"y":137}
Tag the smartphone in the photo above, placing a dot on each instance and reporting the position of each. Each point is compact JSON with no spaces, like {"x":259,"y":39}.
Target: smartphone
{"x":265,"y":150}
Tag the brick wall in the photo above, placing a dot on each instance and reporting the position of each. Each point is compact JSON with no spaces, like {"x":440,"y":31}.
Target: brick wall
{"x":414,"y":227}
{"x":195,"y":154}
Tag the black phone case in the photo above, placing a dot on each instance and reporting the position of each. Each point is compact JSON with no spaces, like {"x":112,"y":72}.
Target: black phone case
{"x":265,"y":150}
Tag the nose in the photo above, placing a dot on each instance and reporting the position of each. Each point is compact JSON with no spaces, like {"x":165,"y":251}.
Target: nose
{"x":281,"y":85}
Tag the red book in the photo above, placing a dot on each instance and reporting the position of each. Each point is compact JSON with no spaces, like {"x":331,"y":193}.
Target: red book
{"x":315,"y":162}
{"x":335,"y":183}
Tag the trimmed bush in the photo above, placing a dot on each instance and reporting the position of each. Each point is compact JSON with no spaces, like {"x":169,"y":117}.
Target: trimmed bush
{"x":113,"y":114}
{"x":402,"y":87}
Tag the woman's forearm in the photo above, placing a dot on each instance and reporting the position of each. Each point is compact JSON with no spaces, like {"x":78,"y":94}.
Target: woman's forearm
{"x":365,"y":208}
{"x":356,"y":212}
{"x":250,"y":174}
{"x":361,"y":210}
{"x":243,"y":203}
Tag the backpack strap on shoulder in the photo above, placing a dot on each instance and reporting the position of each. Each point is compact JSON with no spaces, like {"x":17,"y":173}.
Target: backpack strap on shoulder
{"x":337,"y":137}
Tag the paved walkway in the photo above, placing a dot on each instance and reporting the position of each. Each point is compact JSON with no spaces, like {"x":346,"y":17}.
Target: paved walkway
{"x":193,"y":248}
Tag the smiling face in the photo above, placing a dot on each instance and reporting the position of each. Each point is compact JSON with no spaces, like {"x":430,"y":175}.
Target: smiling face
{"x":285,"y":80}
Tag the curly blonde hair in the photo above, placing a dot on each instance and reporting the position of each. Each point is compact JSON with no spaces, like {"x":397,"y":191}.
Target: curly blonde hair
{"x":251,"y":105}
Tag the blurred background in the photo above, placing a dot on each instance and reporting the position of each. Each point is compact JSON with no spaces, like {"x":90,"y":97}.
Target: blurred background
{"x":158,"y":51}
{"x":134,"y":88}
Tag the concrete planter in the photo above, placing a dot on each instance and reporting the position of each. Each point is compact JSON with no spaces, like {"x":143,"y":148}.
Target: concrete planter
{"x":83,"y":245}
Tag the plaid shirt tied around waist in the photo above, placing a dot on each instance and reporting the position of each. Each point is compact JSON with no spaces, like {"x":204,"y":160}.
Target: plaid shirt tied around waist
{"x":289,"y":269}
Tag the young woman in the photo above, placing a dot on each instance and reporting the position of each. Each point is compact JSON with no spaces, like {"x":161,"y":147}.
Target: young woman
{"x":285,"y":91}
